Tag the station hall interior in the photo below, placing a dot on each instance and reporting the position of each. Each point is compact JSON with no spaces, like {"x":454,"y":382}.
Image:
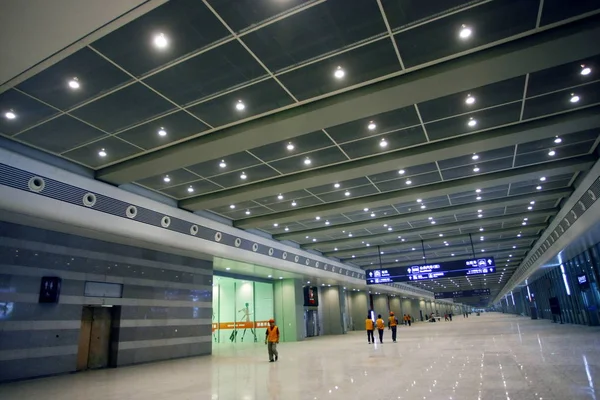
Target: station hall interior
{"x":176,"y":174}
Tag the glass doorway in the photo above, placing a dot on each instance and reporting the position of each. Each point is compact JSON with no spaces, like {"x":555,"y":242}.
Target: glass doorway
{"x":241,"y":310}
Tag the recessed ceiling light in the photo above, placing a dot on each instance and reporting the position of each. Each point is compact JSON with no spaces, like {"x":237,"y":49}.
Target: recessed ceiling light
{"x":317,"y":218}
{"x":543,"y":179}
{"x":314,"y":239}
{"x":557,"y":140}
{"x":441,"y":235}
{"x":339,"y":72}
{"x":346,"y":193}
{"x":279,"y":196}
{"x":240,"y":105}
{"x":243,"y":175}
{"x":227,"y":268}
{"x":74,"y":83}
{"x":585,"y":70}
{"x":294,"y":204}
{"x":232,"y":206}
{"x":270,"y":276}
{"x":102,"y":153}
{"x":365,"y":209}
{"x":518,"y":235}
{"x":538,"y":187}
{"x":465,"y":32}
{"x":383,"y":143}
{"x":552,"y":153}
{"x":530,"y":208}
{"x":162,"y":132}
{"x":327,"y":222}
{"x":372,"y":215}
{"x":478,"y":198}
{"x":335,"y":249}
{"x":574,"y":98}
{"x":430,"y":218}
{"x":470,"y":99}
{"x":432,"y":222}
{"x":247,"y":212}
{"x":452,"y":254}
{"x":286,"y":229}
{"x":336,"y":185}
{"x":276,"y":225}
{"x":372,"y":126}
{"x":350,"y":234}
{"x":402,"y":172}
{"x":479,"y":215}
{"x":222,"y":164}
{"x":307,"y":161}
{"x":476,"y":169}
{"x":475,"y":157}
{"x":480,"y":229}
{"x":290,"y":146}
{"x":161,"y":41}
{"x":167,"y":179}
{"x":408,"y":182}
{"x":190,"y":189}
{"x":419,"y":200}
{"x":472,"y":122}
{"x":390,"y":228}
{"x":423,"y":206}
{"x":524,"y":223}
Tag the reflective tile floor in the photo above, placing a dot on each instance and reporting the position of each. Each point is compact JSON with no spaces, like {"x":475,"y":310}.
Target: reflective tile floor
{"x":490,"y":357}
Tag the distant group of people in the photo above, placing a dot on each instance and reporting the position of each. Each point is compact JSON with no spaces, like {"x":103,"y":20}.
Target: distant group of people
{"x":379,"y":323}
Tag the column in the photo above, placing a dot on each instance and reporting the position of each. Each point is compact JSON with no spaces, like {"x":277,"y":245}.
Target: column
{"x":289,"y":309}
{"x":359,"y":307}
{"x":330,"y":311}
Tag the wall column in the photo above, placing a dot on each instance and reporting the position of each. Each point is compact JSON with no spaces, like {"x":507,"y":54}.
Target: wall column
{"x":359,"y":307}
{"x":289,"y":309}
{"x":330,"y":310}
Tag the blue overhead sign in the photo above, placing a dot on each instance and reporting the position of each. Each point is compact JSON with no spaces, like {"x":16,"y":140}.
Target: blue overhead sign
{"x":423,"y":272}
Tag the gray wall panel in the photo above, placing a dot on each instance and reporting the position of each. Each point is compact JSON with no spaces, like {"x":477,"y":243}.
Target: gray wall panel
{"x":179,"y":286}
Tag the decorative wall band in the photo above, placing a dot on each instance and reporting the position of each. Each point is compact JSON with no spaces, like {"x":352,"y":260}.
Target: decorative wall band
{"x":37,"y":352}
{"x":141,"y":344}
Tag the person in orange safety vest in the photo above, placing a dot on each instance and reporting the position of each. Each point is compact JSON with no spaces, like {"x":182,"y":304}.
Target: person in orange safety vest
{"x":393,"y":325}
{"x":380,"y":327}
{"x":369,"y":324}
{"x":271,"y":340}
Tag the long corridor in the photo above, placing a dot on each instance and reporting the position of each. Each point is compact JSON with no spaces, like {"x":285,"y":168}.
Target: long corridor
{"x":490,"y":357}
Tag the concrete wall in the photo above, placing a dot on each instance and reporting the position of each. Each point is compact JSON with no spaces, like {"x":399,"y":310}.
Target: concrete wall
{"x":380,"y":305}
{"x":359,"y":307}
{"x":288,"y":299}
{"x":165,"y":309}
{"x":396,"y":306}
{"x":330,"y":311}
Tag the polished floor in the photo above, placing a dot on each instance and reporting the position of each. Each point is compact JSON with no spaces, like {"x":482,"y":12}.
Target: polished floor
{"x":490,"y":357}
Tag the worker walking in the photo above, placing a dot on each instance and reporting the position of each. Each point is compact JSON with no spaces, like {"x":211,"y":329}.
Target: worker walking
{"x":380,"y":327}
{"x":393,"y":325}
{"x":370,"y":326}
{"x":271,"y":340}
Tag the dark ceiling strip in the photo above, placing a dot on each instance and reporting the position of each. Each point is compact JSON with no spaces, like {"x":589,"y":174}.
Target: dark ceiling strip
{"x":435,"y":213}
{"x":482,"y":181}
{"x":541,"y":50}
{"x":430,"y":152}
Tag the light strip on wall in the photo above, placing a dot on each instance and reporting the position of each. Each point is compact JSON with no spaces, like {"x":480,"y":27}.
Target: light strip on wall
{"x":564,"y":275}
{"x":528,"y":292}
{"x":512,"y":297}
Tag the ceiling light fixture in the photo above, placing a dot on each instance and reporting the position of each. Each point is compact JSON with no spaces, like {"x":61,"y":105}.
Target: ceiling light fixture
{"x":290,"y":146}
{"x":532,"y":202}
{"x":336,"y":185}
{"x":475,"y":157}
{"x":419,"y":200}
{"x":74,"y":83}
{"x":294,"y":204}
{"x":317,"y":218}
{"x":339,"y":72}
{"x":190,"y":189}
{"x":402,"y":172}
{"x":232,"y":206}
{"x":222,"y":164}
{"x":472,"y":122}
{"x":574,"y":98}
{"x":247,"y":212}
{"x":167,"y":179}
{"x":346,"y":193}
{"x":557,"y":140}
{"x":408,"y":182}
{"x":327,"y":222}
{"x":279,"y":196}
{"x":240,"y":105}
{"x":372,"y":126}
{"x":243,"y":175}
{"x":478,"y":198}
{"x":162,"y":132}
{"x":161,"y":41}
{"x":470,"y":99}
{"x":276,"y":225}
{"x":286,"y":229}
{"x":307,"y":161}
{"x":539,"y":187}
{"x":552,"y":153}
{"x":383,"y":143}
{"x":465,"y":32}
{"x":543,"y":179}
{"x":423,"y":206}
{"x":476,"y":169}
{"x":102,"y":153}
{"x":372,"y":215}
{"x":585,"y":70}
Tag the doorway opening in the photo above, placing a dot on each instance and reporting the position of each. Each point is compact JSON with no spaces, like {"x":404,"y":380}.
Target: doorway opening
{"x":98,"y":337}
{"x":312,"y":322}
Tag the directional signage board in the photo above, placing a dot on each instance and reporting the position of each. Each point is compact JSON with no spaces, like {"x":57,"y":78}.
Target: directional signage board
{"x":447,"y":269}
{"x":462,"y":293}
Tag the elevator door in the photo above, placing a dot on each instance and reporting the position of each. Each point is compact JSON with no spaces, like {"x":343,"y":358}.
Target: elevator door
{"x":312,"y":323}
{"x":94,"y":339}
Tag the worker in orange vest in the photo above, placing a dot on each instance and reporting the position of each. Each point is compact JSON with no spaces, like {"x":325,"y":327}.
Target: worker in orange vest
{"x":380,"y":327}
{"x":370,"y":325}
{"x":393,"y":325}
{"x":271,"y":340}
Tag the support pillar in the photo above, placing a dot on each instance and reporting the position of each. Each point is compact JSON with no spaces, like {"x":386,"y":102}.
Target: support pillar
{"x":289,"y":309}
